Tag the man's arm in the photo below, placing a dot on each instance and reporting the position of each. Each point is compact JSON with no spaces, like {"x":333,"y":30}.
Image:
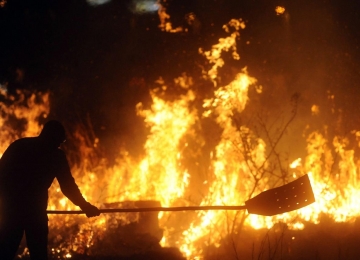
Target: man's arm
{"x":70,"y":189}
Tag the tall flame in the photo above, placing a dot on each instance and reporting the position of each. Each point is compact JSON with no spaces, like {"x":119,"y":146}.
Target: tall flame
{"x":159,"y":175}
{"x":231,"y":170}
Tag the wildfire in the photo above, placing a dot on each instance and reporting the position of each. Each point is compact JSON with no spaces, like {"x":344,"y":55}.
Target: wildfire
{"x":237,"y":171}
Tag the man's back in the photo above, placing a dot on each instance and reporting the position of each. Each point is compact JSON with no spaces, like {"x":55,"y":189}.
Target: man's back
{"x":27,"y":169}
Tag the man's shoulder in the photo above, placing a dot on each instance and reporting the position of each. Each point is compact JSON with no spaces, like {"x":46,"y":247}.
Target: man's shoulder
{"x":37,"y":145}
{"x":24,"y":141}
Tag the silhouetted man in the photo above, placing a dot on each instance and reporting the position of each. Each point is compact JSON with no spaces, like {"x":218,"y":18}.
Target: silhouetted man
{"x":27,"y":169}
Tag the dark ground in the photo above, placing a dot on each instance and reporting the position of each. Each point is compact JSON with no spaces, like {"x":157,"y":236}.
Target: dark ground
{"x":327,"y":240}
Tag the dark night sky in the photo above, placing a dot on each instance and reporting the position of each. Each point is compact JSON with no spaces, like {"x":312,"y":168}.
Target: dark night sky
{"x":100,"y":61}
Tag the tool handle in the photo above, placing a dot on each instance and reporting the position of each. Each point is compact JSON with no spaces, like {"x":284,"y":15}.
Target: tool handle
{"x":151,"y":209}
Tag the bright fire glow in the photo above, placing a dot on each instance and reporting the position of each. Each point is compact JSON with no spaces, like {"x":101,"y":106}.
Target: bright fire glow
{"x":162,"y":173}
{"x":165,"y":23}
{"x":280,"y":10}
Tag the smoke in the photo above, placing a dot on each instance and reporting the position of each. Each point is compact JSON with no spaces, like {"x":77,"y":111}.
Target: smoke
{"x":97,"y":2}
{"x":135,"y":6}
{"x":144,"y":6}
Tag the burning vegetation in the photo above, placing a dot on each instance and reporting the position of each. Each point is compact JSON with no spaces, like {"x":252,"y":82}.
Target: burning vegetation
{"x":198,"y":151}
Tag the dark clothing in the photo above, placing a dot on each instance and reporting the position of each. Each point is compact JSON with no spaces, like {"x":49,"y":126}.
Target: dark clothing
{"x":27,"y":170}
{"x":11,"y":233}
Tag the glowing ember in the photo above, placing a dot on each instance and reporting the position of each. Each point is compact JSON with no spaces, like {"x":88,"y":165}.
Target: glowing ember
{"x":279,"y":10}
{"x":315,"y":110}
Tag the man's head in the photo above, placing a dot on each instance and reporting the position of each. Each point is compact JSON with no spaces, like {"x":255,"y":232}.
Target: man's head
{"x":53,"y":132}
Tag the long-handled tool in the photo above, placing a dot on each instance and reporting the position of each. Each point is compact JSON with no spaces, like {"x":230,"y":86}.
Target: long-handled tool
{"x":292,"y":196}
